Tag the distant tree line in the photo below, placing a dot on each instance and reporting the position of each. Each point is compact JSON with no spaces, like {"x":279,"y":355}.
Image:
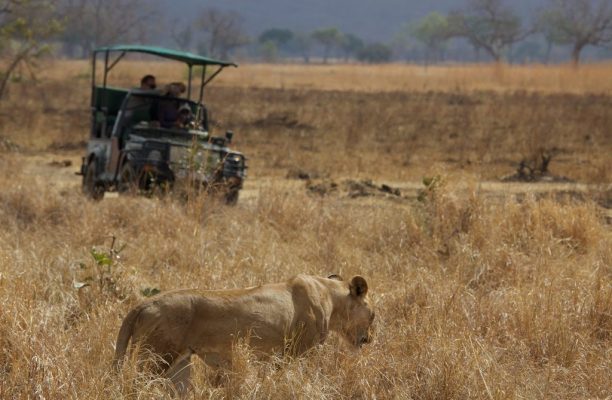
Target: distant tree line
{"x":494,"y":28}
{"x":326,"y":42}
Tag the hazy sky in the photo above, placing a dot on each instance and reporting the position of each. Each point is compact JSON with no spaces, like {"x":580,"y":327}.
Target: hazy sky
{"x":370,"y":19}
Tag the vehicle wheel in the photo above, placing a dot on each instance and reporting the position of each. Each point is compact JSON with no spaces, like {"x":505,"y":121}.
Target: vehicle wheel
{"x":127,"y":182}
{"x":231,"y":197}
{"x":91,"y":188}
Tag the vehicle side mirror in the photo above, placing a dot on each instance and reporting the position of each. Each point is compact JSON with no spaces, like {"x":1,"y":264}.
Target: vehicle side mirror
{"x":228,"y":136}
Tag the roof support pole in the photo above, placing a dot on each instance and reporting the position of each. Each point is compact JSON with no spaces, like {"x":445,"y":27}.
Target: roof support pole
{"x":104,"y":104}
{"x":202,"y":83}
{"x":105,"y":68}
{"x":93,"y":79}
{"x":116,"y":61}
{"x":210,"y":78}
{"x":189,"y":82}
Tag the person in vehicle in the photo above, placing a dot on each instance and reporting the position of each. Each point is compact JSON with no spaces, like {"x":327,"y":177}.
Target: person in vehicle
{"x":140,"y":108}
{"x":148,"y":83}
{"x":185,"y":116}
{"x":168,"y":112}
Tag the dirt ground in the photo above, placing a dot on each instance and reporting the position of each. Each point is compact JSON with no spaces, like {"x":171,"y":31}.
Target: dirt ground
{"x":59,"y":170}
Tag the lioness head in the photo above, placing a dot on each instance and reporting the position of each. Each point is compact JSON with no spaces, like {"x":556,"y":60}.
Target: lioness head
{"x":358,"y":314}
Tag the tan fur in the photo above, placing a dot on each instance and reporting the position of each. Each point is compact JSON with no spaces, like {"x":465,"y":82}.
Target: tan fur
{"x":290,"y":316}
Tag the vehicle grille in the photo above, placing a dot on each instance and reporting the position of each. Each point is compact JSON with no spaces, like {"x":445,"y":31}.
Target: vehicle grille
{"x":155,"y":151}
{"x":234,"y":166}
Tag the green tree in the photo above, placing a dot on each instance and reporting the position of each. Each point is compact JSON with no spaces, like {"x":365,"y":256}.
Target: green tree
{"x":269,"y":51}
{"x":375,"y":53}
{"x":578,"y":23}
{"x":272,"y":41}
{"x":328,"y":38}
{"x":545,"y":25}
{"x":25,"y":26}
{"x":350,"y":45}
{"x":182,"y":36}
{"x":302,"y":45}
{"x":280,"y":37}
{"x":432,"y":32}
{"x":487,"y":25}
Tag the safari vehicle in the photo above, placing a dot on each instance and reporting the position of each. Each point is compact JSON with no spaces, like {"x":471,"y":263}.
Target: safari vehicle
{"x":129,"y":150}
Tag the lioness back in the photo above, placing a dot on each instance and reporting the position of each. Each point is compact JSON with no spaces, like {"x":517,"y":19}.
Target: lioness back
{"x":174,"y":321}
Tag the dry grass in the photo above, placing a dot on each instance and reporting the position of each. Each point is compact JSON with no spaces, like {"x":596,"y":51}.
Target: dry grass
{"x":383,"y":135}
{"x":522,"y":310}
{"x":476,"y":296}
{"x":589,"y":78}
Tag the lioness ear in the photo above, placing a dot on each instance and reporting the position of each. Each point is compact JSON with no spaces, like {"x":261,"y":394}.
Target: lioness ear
{"x":336,"y":277}
{"x":358,"y":286}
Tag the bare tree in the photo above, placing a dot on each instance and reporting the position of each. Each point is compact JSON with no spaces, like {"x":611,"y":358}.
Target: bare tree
{"x":223,"y":32}
{"x":92,"y":23}
{"x":25,"y":25}
{"x":579,"y":23}
{"x":549,"y":32}
{"x":487,"y":25}
{"x":182,"y":37}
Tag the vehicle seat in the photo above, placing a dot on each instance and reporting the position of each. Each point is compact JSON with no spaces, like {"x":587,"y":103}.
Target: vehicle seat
{"x":139,"y":116}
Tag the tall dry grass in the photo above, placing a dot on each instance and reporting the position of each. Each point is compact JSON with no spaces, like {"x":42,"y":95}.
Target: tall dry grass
{"x":476,"y":296}
{"x":557,"y":78}
{"x":474,"y":299}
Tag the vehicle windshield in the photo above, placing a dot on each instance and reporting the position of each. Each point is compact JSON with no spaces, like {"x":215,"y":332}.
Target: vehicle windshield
{"x":152,"y":110}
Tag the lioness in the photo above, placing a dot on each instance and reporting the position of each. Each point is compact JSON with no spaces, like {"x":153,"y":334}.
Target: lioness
{"x":290,"y":316}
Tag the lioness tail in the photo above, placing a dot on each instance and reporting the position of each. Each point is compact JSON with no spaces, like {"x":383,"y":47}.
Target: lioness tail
{"x":123,"y":338}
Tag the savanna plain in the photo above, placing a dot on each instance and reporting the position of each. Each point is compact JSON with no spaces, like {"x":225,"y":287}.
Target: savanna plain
{"x":487,"y":283}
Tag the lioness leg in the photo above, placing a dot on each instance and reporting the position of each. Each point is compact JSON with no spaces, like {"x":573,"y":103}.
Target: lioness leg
{"x":180,"y":373}
{"x":220,"y":363}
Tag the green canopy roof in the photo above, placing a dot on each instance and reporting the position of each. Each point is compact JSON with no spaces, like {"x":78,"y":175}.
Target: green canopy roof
{"x":188,"y":58}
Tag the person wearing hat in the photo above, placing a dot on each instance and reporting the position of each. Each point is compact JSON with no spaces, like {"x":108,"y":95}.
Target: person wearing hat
{"x":185,"y":116}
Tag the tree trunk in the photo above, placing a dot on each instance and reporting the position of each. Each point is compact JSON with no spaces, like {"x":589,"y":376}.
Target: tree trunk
{"x":549,"y":46}
{"x":325,"y":54}
{"x":576,"y":54}
{"x":12,"y":66}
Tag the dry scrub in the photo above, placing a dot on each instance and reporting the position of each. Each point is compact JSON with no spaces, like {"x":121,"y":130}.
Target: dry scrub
{"x":476,"y":296}
{"x":382,"y":134}
{"x":474,"y":299}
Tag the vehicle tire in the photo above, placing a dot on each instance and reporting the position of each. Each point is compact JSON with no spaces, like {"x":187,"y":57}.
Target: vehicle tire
{"x":231,"y":197}
{"x":91,"y":188}
{"x":127,"y":181}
